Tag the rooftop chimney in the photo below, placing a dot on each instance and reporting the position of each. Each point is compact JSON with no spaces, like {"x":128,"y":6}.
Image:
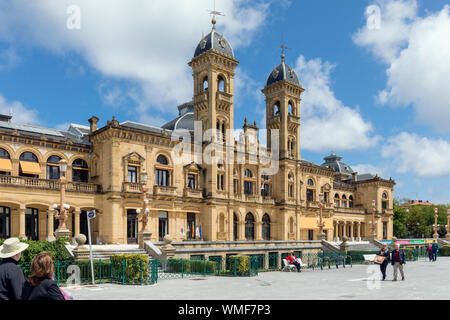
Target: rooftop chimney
{"x":93,"y":122}
{"x":355,"y":176}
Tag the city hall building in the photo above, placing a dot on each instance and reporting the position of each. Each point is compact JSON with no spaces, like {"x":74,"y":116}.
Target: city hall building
{"x":232,"y":202}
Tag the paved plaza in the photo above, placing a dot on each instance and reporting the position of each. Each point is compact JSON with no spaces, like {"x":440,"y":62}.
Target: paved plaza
{"x":424,"y":280}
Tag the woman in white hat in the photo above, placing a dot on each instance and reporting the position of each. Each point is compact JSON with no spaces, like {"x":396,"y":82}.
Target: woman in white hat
{"x":11,"y":276}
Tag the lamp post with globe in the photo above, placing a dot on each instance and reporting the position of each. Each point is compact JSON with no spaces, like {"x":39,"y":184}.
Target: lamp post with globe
{"x":436,"y":225}
{"x":145,"y":234}
{"x":63,"y":212}
{"x":320,"y":222}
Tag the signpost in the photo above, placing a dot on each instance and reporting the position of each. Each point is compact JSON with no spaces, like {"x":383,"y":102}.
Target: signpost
{"x":90,"y":215}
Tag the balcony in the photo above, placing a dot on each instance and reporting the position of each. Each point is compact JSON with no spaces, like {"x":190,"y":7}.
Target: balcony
{"x":193,"y":193}
{"x":164,"y":191}
{"x":49,"y":184}
{"x":224,"y":97}
{"x":129,"y":187}
{"x":252,"y":197}
{"x":201,"y":97}
{"x":268,"y":200}
{"x":294,"y":119}
{"x":349,"y":210}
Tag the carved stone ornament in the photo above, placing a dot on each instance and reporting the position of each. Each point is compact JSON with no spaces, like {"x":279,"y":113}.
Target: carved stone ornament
{"x":275,"y":73}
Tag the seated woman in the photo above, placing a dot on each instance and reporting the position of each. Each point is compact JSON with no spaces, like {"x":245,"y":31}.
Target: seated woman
{"x":291,"y":259}
{"x":39,"y":285}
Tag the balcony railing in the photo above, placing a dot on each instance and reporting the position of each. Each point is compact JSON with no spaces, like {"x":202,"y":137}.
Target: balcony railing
{"x":164,"y":191}
{"x":129,"y":187}
{"x":349,"y":210}
{"x":193,"y":193}
{"x":49,"y":184}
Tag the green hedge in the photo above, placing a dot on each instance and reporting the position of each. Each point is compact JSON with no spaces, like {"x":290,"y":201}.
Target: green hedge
{"x":240,"y":265}
{"x":56,"y":248}
{"x":190,"y":266}
{"x":130,"y":268}
{"x":444,"y":251}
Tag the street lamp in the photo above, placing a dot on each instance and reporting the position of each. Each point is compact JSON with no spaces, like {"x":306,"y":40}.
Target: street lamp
{"x":63,"y":213}
{"x":144,"y":234}
{"x":320,"y":222}
{"x":436,"y":235}
{"x":374,"y":235}
{"x":448,"y":225}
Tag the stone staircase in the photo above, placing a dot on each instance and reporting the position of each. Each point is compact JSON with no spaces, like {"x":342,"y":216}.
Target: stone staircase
{"x":362,"y":246}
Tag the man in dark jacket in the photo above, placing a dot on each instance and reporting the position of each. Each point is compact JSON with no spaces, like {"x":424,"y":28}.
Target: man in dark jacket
{"x":434,"y":250}
{"x":11,"y":276}
{"x":398,"y":260}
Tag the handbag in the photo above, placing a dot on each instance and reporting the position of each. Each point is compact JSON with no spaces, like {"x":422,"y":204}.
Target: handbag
{"x":379,"y":259}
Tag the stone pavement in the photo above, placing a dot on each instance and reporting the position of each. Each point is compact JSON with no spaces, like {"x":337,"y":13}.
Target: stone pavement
{"x":424,"y":280}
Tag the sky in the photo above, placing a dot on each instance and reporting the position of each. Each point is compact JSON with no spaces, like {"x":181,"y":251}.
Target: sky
{"x":376,"y":73}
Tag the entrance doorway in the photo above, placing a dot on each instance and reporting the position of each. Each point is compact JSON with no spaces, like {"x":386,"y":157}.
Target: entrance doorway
{"x":163,"y":224}
{"x":32,"y":224}
{"x":132,"y":226}
{"x":5,"y":222}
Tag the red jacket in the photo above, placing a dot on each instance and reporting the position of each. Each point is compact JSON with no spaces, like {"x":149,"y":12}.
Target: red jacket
{"x":290,"y":259}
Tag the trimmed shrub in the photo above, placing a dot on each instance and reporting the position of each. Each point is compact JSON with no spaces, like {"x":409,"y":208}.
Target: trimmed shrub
{"x":240,"y":264}
{"x":56,"y":248}
{"x":444,"y":251}
{"x":190,"y":266}
{"x":130,"y":268}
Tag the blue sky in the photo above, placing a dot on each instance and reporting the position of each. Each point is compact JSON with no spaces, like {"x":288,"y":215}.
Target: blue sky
{"x":376,"y":96}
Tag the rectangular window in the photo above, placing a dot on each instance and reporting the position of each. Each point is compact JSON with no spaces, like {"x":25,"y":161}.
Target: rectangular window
{"x":385,"y":227}
{"x":132,"y":174}
{"x":326,"y":196}
{"x":162,"y":178}
{"x":384,"y":205}
{"x":220,"y":184}
{"x":309,"y":195}
{"x":191,"y":181}
{"x":310,"y":234}
{"x":163,"y":226}
{"x":248,"y":187}
{"x":190,"y":231}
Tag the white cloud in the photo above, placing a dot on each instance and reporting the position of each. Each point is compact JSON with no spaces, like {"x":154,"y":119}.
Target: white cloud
{"x":417,"y":51}
{"x":327,"y":124}
{"x":20,"y":112}
{"x":148,"y":43}
{"x":423,"y":156}
{"x":368,"y":168}
{"x":8,"y":59}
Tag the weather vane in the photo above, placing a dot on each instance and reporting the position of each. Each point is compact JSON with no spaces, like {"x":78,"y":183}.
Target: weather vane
{"x":215,"y":13}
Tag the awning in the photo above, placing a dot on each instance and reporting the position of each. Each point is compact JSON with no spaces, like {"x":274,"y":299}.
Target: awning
{"x":5,"y":165}
{"x":30,"y":167}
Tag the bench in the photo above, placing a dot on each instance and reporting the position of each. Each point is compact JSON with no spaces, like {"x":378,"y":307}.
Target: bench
{"x":291,"y":267}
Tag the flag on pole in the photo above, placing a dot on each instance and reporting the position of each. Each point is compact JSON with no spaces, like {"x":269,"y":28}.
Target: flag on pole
{"x":200,"y":231}
{"x":182,"y":232}
{"x":197,"y":232}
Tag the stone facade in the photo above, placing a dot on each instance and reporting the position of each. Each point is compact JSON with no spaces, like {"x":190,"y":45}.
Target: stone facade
{"x":225,"y":200}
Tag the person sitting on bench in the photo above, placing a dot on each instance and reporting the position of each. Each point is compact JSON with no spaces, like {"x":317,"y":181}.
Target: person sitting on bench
{"x":291,"y":259}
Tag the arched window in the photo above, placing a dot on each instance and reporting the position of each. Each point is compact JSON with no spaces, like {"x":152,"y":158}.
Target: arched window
{"x":205,"y":84}
{"x":162,"y":160}
{"x":290,"y":108}
{"x":5,"y":163}
{"x":336,"y":200}
{"x":221,"y":84}
{"x":162,"y":177}
{"x":235,"y":226}
{"x":28,"y":156}
{"x":249,"y":227}
{"x":248,"y":185}
{"x":248,"y":173}
{"x":350,"y":202}
{"x":80,"y":171}
{"x":266,"y":227}
{"x":29,"y":165}
{"x":4,"y":154}
{"x":344,"y":201}
{"x":384,"y":201}
{"x":310,"y":182}
{"x":53,"y":172}
{"x":276,"y":109}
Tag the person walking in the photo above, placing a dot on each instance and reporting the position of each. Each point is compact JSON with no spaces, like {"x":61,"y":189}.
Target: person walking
{"x":39,"y":285}
{"x":291,"y":259}
{"x":384,"y":252}
{"x":398,"y":260}
{"x":11,"y":276}
{"x":435,"y":250}
{"x":430,"y":252}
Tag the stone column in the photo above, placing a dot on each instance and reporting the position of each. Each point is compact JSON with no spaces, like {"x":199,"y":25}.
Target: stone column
{"x":359,"y":231}
{"x":50,"y":224}
{"x":241,"y":231}
{"x":22,"y":234}
{"x":352,"y":235}
{"x":258,"y":231}
{"x":76,"y":227}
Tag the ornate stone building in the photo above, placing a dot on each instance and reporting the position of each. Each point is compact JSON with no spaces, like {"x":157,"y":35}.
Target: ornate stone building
{"x":232,"y":202}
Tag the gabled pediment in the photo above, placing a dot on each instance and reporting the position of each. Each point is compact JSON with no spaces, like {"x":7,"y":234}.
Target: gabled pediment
{"x":134,"y":157}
